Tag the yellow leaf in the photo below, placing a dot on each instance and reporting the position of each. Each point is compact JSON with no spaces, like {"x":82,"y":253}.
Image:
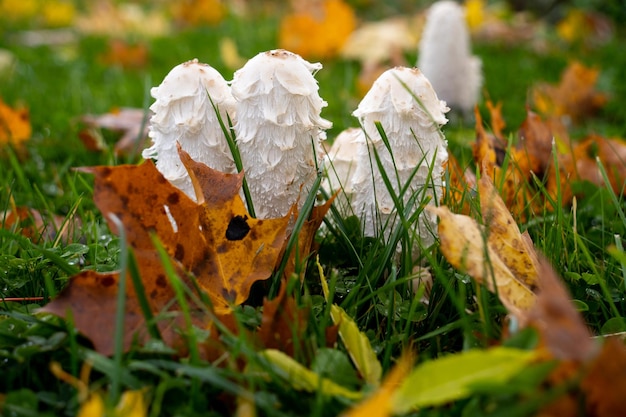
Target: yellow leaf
{"x":515,"y":250}
{"x":572,"y":27}
{"x":132,"y":404}
{"x":356,"y":342}
{"x":304,"y":379}
{"x":58,"y":13}
{"x":229,"y":53}
{"x":474,"y":13}
{"x":464,"y":244}
{"x":93,"y":407}
{"x":15,"y":10}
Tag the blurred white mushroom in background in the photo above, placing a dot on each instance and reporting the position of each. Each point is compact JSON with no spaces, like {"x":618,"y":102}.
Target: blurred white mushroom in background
{"x":183,"y":113}
{"x":403,"y":101}
{"x":445,"y":57}
{"x":279,"y":129}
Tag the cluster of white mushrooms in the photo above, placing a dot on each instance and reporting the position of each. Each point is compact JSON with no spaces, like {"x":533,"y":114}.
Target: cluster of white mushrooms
{"x":273,"y":101}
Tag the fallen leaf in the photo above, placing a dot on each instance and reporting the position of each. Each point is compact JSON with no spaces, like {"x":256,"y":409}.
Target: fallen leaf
{"x":381,"y":42}
{"x":514,"y":248}
{"x":605,"y":382}
{"x":585,"y":26}
{"x":561,"y":327}
{"x":131,"y":122}
{"x":126,"y":55}
{"x":497,"y":121}
{"x":283,"y":323}
{"x":306,"y":237}
{"x":215,"y":240}
{"x":496,"y":255}
{"x":229,"y":54}
{"x":15,"y":126}
{"x":318,"y":29}
{"x":575,"y":96}
{"x":599,"y":365}
{"x":595,"y":150}
{"x":501,"y":164}
{"x":356,"y":342}
{"x":199,"y":12}
{"x":379,"y":403}
{"x":302,"y":378}
{"x":459,"y":186}
{"x":37,"y":227}
{"x":453,"y":377}
{"x":536,"y":137}
{"x":114,"y":19}
{"x":464,"y":244}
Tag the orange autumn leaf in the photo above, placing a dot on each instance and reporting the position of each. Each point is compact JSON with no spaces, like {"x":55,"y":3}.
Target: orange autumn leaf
{"x":508,"y":170}
{"x":534,"y":147}
{"x":37,"y":227}
{"x":318,"y":29}
{"x":575,"y":96}
{"x":611,"y":153}
{"x":283,"y":323}
{"x":306,"y":238}
{"x":215,"y":240}
{"x":497,"y":121}
{"x":199,"y":12}
{"x":14,"y":125}
{"x":126,"y":55}
{"x":460,"y":184}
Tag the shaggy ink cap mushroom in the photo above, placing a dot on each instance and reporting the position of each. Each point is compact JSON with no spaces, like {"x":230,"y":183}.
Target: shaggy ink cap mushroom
{"x":445,"y":56}
{"x":403,"y":101}
{"x":279,"y":129}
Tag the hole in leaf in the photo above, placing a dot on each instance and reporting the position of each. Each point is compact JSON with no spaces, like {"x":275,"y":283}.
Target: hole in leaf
{"x":238,"y":228}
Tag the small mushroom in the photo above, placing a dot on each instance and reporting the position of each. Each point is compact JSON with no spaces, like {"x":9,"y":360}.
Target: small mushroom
{"x":279,"y":129}
{"x":445,"y":57}
{"x":184,"y":112}
{"x":403,"y":101}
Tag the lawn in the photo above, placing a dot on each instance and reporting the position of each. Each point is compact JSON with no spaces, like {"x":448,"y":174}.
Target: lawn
{"x":350,"y":328}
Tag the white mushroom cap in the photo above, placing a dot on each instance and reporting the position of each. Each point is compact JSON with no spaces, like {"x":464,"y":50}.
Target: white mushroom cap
{"x":407,"y":92}
{"x":279,"y":128}
{"x":445,"y":56}
{"x":183,"y":113}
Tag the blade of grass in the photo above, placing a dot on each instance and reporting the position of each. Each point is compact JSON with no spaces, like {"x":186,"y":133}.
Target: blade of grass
{"x":120,"y":313}
{"x":140,"y":292}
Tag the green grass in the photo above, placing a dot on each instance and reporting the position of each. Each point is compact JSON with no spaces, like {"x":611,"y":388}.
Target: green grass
{"x":59,"y":84}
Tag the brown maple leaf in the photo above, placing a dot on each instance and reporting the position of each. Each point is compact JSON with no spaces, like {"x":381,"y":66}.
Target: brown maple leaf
{"x":214,"y":240}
